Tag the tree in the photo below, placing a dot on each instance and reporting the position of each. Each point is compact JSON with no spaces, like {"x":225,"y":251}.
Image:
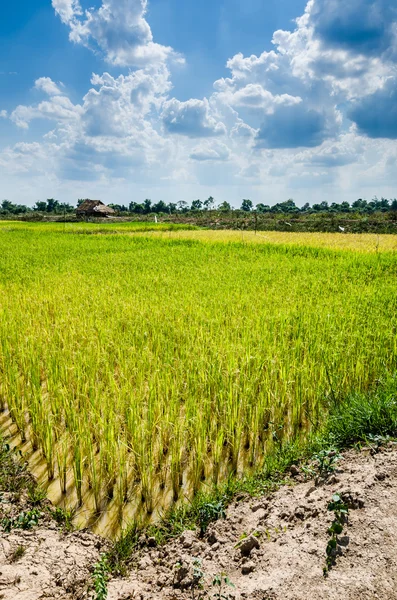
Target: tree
{"x":66,"y":208}
{"x":147,"y":206}
{"x":384,"y":204}
{"x":7,"y":206}
{"x":52,"y":205}
{"x":285,"y":207}
{"x":40,"y":206}
{"x":345,"y":207}
{"x":209,"y":203}
{"x":136,"y":208}
{"x":262,"y":208}
{"x":15,"y":209}
{"x":196,"y":205}
{"x":360,"y":205}
{"x":247,"y":205}
{"x":183,"y":206}
{"x":160,"y":207}
{"x":224,"y":207}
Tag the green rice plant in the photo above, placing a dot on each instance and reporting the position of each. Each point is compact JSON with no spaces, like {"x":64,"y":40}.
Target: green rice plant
{"x":151,"y":368}
{"x":62,"y":459}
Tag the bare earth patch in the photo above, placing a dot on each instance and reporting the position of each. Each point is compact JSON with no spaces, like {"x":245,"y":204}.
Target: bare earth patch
{"x":270,"y":548}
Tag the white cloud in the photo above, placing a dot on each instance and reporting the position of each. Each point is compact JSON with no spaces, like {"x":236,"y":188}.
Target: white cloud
{"x":59,"y":109}
{"x":254,"y":96}
{"x":3,"y":114}
{"x":207,"y":151}
{"x":292,"y":119}
{"x":67,"y":9}
{"x":118,"y":29}
{"x":242,"y":130}
{"x":120,"y":104}
{"x":48,"y":86}
{"x":192,"y":119}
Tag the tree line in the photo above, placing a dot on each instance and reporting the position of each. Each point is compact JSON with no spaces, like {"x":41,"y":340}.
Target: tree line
{"x":52,"y":206}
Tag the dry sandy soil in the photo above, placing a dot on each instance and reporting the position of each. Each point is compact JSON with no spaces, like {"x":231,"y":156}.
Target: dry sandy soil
{"x":284,"y":560}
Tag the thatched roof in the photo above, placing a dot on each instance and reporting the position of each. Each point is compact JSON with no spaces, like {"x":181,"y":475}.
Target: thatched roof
{"x":94,"y":207}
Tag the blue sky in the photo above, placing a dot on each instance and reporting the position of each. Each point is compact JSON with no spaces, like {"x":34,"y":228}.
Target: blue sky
{"x":177,"y":100}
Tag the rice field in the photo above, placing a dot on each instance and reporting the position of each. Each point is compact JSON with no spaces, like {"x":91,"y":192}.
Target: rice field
{"x":357,"y":242}
{"x":137,"y":368}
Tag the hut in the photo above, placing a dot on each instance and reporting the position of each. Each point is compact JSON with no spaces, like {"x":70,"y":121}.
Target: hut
{"x":94,"y":208}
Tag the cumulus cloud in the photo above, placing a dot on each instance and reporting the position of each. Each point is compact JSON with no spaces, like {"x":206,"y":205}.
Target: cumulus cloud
{"x":192,"y":119}
{"x":376,"y":115}
{"x":48,"y":86}
{"x":67,"y":9}
{"x":254,"y":96}
{"x":120,"y":104}
{"x":336,"y":154}
{"x":316,"y":109}
{"x":363,"y":26}
{"x":207,"y":151}
{"x":3,"y":114}
{"x":242,"y":130}
{"x":294,"y":127}
{"x":58,"y":108}
{"x":118,"y":29}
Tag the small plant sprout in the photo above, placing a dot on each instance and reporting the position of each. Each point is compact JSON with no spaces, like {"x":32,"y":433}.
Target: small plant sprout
{"x":323,"y":464}
{"x":198,"y":577}
{"x":221,"y":582}
{"x":341,"y":512}
{"x":25,"y":520}
{"x":101,"y":577}
{"x":376,"y":441}
{"x":209,"y":512}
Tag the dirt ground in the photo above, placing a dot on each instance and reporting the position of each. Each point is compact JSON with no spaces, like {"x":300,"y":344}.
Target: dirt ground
{"x":270,"y":548}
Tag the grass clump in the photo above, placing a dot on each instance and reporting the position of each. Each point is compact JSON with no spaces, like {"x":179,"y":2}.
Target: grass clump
{"x":14,"y":478}
{"x":362,"y":416}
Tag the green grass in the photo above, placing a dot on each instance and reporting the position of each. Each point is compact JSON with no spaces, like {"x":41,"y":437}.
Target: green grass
{"x":159,"y":368}
{"x":89,"y":227}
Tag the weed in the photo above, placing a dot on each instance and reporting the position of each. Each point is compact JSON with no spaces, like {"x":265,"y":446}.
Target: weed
{"x":25,"y":520}
{"x":322,"y":464}
{"x":210,"y":512}
{"x":101,"y":577}
{"x":341,"y":511}
{"x":222,"y":582}
{"x":63,"y":517}
{"x":14,"y":477}
{"x":122,"y":550}
{"x":17,"y":554}
{"x":198,"y":577}
{"x":36,"y":495}
{"x":375,"y":442}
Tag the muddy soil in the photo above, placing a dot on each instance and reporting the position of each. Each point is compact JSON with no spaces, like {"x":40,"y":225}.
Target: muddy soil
{"x":269,"y":548}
